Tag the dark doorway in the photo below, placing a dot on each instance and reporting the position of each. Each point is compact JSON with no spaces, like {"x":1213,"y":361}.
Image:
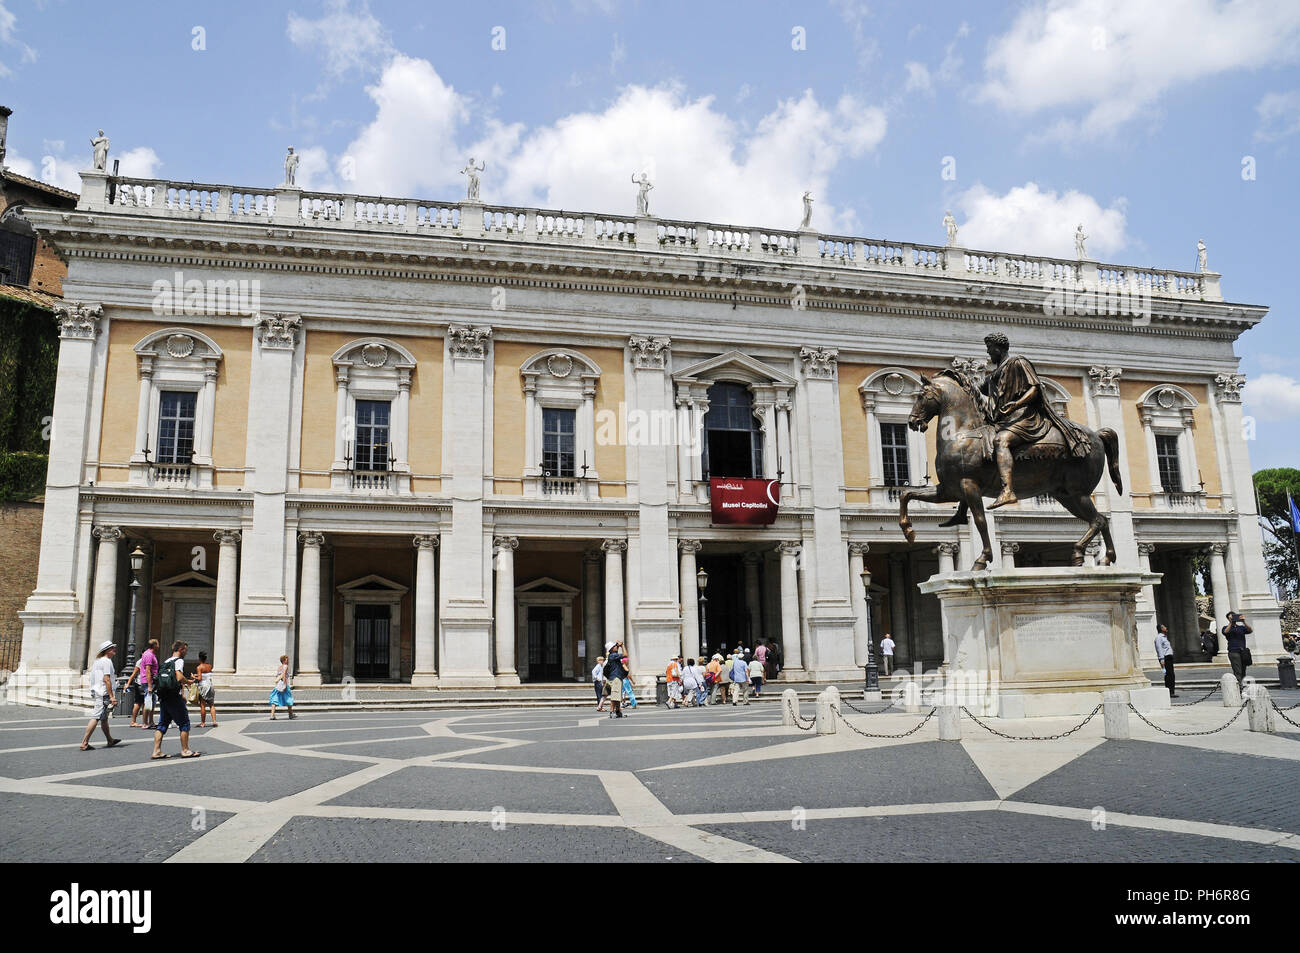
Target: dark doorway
{"x":371,"y":647}
{"x":544,"y":644}
{"x":726,"y":619}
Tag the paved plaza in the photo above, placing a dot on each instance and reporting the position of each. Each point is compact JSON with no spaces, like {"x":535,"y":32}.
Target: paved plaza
{"x":716,"y":784}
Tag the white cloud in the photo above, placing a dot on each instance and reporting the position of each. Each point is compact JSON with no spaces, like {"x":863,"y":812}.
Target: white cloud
{"x":918,"y":77}
{"x":1273,"y":397}
{"x":617,"y":54}
{"x":855,"y":15}
{"x":1279,"y":116}
{"x":9,"y":38}
{"x":140,"y":162}
{"x":1029,"y":220}
{"x":1109,"y":60}
{"x":347,"y":39}
{"x":704,"y":165}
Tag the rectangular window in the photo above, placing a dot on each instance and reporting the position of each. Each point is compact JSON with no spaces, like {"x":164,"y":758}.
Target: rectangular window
{"x":893,"y":452}
{"x":1171,"y":477}
{"x":372,"y":435}
{"x":17,"y":252}
{"x":176,"y":427}
{"x":558,"y":453}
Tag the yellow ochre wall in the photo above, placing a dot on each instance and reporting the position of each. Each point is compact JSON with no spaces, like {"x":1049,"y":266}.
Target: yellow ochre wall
{"x":508,"y":416}
{"x":853,"y":429}
{"x":1135,"y":460}
{"x":230,"y":432}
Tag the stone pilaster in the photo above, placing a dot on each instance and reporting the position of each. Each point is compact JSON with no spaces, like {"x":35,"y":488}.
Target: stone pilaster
{"x":309,"y":630}
{"x":426,"y":610}
{"x":506,"y":673}
{"x":689,"y":588}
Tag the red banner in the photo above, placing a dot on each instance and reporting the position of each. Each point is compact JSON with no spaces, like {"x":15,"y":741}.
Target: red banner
{"x":753,"y":502}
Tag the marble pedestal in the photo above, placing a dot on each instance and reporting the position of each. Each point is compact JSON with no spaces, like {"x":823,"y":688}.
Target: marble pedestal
{"x":1046,"y":641}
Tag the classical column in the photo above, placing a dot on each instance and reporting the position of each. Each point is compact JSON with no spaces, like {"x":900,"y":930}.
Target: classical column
{"x":862,"y":626}
{"x":591,"y":607}
{"x":464,"y":589}
{"x":426,"y":604}
{"x":341,"y":431}
{"x":947,"y":553}
{"x":265,"y":615}
{"x":309,"y":609}
{"x":614,"y":549}
{"x":785,"y":450}
{"x":401,"y":418}
{"x":753,"y":598}
{"x":142,"y":407}
{"x":532,"y":450}
{"x":899,"y":630}
{"x":685,"y":445}
{"x":206,"y":427}
{"x":53,"y":615}
{"x":104,"y":604}
{"x":223,"y":625}
{"x":830,"y":616}
{"x":690,"y":598}
{"x":505,"y":609}
{"x":656,"y":623}
{"x":790,"y":647}
{"x":1219,"y":588}
{"x":1009,"y":550}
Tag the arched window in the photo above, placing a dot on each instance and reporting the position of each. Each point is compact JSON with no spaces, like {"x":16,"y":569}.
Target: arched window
{"x":733,"y":441}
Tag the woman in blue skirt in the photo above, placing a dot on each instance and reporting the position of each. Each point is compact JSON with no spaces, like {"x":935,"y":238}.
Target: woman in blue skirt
{"x":282,"y":694}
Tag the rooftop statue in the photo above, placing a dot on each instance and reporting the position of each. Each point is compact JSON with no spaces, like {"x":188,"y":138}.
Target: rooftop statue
{"x":472,"y":172}
{"x":950,"y":226}
{"x":807,"y":211}
{"x":1079,"y":238}
{"x":1202,"y":259}
{"x":1003,"y":427}
{"x":100,"y":145}
{"x":290,"y":167}
{"x":642,"y":194}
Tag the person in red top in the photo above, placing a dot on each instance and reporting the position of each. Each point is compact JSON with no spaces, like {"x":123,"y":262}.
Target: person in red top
{"x":674,"y":674}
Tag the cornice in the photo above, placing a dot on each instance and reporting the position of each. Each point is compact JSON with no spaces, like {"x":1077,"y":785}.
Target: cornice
{"x":621,"y":271}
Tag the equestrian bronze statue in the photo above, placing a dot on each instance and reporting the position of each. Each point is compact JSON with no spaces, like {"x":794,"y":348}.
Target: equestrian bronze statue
{"x":1001,"y":437}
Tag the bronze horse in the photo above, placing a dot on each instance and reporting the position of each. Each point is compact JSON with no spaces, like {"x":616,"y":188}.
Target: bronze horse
{"x":966,"y":471}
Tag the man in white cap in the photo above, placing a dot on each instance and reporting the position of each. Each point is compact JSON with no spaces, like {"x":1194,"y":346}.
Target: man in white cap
{"x":101,"y":695}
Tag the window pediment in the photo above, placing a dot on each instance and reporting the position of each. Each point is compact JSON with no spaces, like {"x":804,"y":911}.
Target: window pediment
{"x":735,"y":365}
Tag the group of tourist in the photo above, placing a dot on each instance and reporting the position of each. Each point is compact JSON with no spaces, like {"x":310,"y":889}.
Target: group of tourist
{"x":692,"y":682}
{"x":162,"y":687}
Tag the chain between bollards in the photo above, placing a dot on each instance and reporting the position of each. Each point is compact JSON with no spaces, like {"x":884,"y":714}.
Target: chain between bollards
{"x":860,"y":711}
{"x":1003,"y":734}
{"x":798,"y":721}
{"x":1283,"y":711}
{"x":1189,"y":734}
{"x":1198,"y":701}
{"x":867,"y":734}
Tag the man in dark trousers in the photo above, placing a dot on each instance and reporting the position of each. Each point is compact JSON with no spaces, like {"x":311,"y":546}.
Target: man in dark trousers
{"x":1165,"y":652}
{"x":1238,"y":655}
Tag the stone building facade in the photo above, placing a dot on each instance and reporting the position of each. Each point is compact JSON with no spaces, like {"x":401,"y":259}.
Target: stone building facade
{"x":464,"y":445}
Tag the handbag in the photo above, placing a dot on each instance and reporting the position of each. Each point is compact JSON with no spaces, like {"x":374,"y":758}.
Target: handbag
{"x":1246,"y":658}
{"x":279,"y":685}
{"x":192,"y":693}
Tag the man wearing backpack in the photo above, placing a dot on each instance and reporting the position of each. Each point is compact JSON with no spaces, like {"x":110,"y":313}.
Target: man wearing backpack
{"x":171,"y":703}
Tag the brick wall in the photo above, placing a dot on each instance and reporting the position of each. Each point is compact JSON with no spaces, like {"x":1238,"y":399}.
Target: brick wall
{"x":20,"y":544}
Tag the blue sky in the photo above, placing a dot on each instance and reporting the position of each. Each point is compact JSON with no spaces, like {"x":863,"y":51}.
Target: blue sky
{"x":1133,"y":118}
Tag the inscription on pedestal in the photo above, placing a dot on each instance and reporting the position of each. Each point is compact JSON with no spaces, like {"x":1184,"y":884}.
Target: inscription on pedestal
{"x":1054,"y":643}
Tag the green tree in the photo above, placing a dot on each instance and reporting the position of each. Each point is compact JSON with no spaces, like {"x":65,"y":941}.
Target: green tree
{"x":1271,"y":488}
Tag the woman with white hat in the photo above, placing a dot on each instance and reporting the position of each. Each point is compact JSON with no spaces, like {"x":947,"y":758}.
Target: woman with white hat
{"x":101,"y":695}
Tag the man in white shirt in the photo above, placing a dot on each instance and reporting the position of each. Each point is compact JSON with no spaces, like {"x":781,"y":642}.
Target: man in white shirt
{"x":1165,"y":652}
{"x":887,"y":654}
{"x":598,"y":682}
{"x":102,"y":698}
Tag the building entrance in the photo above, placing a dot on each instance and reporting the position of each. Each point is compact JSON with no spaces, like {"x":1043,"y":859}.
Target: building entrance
{"x":725,"y":622}
{"x":544,"y":626}
{"x":371,"y":625}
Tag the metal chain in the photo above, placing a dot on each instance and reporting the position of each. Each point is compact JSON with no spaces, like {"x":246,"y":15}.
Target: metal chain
{"x":867,"y":734}
{"x":1189,"y":734}
{"x":1283,"y":711}
{"x":799,"y":721}
{"x":1287,"y":708}
{"x":863,"y":711}
{"x":1198,"y":701}
{"x":1002,"y":734}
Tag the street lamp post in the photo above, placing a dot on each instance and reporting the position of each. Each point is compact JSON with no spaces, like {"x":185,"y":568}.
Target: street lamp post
{"x":137,"y":563}
{"x":702,"y":582}
{"x":873,"y":673}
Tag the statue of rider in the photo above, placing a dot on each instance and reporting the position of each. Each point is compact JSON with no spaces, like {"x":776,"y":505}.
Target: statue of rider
{"x":1017,"y":407}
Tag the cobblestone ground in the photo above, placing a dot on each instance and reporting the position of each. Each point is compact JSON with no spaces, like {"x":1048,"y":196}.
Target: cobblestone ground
{"x":715,"y":784}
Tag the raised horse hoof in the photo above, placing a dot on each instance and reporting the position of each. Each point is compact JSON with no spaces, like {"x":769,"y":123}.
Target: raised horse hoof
{"x":1110,"y":557}
{"x":909,"y":533}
